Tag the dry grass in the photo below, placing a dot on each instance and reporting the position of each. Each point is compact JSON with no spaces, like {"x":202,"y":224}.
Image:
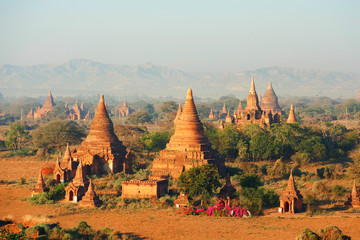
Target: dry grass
{"x":35,"y":219}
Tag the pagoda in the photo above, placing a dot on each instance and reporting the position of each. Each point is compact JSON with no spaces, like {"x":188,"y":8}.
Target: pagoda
{"x":227,"y":193}
{"x":42,"y":111}
{"x":40,"y":185}
{"x":90,"y":200}
{"x":102,"y":151}
{"x":125,"y":110}
{"x":291,"y":199}
{"x":291,"y":118}
{"x":252,"y":112}
{"x":178,"y":115}
{"x":270,"y":103}
{"x":188,"y":147}
{"x":212,"y":115}
{"x":353,"y":200}
{"x":223,"y":112}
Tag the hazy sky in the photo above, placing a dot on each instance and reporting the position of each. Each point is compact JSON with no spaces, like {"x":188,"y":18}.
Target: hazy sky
{"x":195,"y":36}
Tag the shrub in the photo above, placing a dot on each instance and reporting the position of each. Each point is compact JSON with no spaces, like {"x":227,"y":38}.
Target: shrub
{"x":251,"y":181}
{"x":328,"y":233}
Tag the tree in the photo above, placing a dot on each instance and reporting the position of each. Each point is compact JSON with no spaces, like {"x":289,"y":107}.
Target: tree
{"x":139,"y":117}
{"x":56,"y":134}
{"x":251,"y":181}
{"x":156,"y":141}
{"x":169,"y":106}
{"x":16,"y":136}
{"x":149,"y":108}
{"x":200,"y":181}
{"x":228,"y":139}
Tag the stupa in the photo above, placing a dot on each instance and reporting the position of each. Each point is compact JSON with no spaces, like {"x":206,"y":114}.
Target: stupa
{"x":291,"y":199}
{"x":212,"y":115}
{"x":188,"y":147}
{"x":178,"y":115}
{"x":291,"y":118}
{"x":227,"y":193}
{"x":182,"y":200}
{"x":270,"y":103}
{"x":353,"y":200}
{"x":223,"y":112}
{"x":90,"y":200}
{"x":102,"y":151}
{"x":229,"y":118}
{"x":40,"y":185}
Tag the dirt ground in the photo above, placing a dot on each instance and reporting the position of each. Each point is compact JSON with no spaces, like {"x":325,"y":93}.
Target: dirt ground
{"x":158,"y":224}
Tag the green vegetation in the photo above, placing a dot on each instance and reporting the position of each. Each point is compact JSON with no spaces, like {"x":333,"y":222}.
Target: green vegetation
{"x":56,"y":134}
{"x":328,"y":233}
{"x":156,"y":141}
{"x":56,"y":194}
{"x":200,"y":181}
{"x":54,"y":231}
{"x":17,"y":136}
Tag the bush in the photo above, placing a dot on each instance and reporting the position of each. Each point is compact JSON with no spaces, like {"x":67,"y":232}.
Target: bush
{"x":251,"y":181}
{"x":328,"y":233}
{"x":280,"y":170}
{"x":53,"y":195}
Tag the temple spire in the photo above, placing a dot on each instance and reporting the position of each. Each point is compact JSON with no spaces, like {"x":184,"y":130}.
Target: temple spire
{"x":291,"y":118}
{"x":178,"y":114}
{"x":67,"y":154}
{"x":252,"y":99}
{"x":189,"y":129}
{"x":354,"y":192}
{"x":291,"y":183}
{"x":252,"y":87}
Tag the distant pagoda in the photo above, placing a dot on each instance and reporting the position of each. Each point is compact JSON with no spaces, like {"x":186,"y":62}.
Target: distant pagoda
{"x":270,"y":102}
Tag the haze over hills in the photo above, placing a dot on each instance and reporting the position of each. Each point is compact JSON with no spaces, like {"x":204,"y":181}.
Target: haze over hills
{"x":81,"y":76}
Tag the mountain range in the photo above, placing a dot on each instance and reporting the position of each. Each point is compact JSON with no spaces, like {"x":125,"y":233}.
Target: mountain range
{"x":86,"y":77}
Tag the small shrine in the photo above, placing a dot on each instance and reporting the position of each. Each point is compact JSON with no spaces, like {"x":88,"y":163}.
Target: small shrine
{"x":290,"y":199}
{"x":90,"y":200}
{"x":227,"y":193}
{"x":40,"y":185}
{"x":182,"y":200}
{"x":353,"y":200}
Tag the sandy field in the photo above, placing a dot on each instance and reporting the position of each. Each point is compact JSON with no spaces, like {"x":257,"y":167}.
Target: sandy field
{"x":159,"y":224}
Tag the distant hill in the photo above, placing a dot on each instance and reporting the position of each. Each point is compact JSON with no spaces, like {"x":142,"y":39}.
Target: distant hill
{"x":83,"y":77}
